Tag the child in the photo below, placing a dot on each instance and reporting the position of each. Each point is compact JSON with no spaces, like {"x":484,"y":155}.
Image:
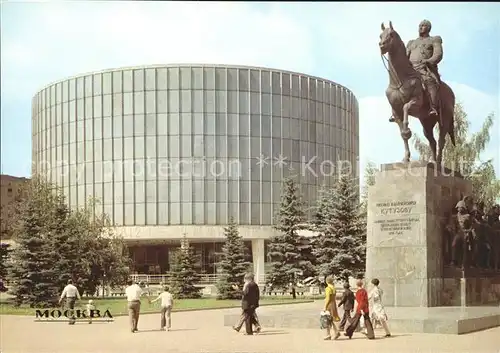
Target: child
{"x":90,"y":306}
{"x":167,"y":302}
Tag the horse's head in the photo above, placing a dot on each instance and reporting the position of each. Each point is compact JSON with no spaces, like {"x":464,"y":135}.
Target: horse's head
{"x":388,"y":38}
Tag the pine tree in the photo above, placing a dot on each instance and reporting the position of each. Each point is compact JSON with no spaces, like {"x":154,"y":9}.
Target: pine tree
{"x":341,"y":244}
{"x":55,"y":244}
{"x":233,"y":264}
{"x":325,"y":242}
{"x":184,"y":277}
{"x":465,"y":156}
{"x":32,"y":273}
{"x":308,"y":260}
{"x":285,"y":248}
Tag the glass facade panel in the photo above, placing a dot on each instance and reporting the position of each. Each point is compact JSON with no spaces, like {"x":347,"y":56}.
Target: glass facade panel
{"x":157,"y":143}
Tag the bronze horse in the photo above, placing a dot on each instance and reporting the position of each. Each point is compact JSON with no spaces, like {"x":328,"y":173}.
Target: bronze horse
{"x":407,"y":96}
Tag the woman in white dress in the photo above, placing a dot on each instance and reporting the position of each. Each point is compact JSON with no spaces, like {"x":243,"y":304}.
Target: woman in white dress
{"x":376,"y":306}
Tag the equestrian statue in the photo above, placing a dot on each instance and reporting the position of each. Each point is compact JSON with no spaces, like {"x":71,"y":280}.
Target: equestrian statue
{"x":415,"y":87}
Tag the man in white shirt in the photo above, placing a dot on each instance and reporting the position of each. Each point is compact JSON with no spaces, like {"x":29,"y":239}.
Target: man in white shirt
{"x":133,"y":293}
{"x":70,"y":292}
{"x":167,"y":303}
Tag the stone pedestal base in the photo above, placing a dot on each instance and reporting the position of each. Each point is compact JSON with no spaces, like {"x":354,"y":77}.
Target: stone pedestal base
{"x":470,"y":287}
{"x":407,"y":209}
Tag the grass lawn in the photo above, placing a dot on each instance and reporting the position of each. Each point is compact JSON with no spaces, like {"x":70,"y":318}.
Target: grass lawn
{"x":118,"y":306}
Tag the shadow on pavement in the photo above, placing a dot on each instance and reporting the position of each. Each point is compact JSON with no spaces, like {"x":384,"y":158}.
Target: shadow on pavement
{"x":361,"y":336}
{"x":272,"y":332}
{"x":171,"y":330}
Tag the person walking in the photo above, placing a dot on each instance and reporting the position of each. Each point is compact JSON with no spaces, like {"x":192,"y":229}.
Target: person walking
{"x":250,"y":302}
{"x":70,"y":292}
{"x":347,"y":302}
{"x":167,"y":303}
{"x":362,"y":310}
{"x":133,"y":293}
{"x":377,"y":307}
{"x":241,"y":322}
{"x":331,"y":308}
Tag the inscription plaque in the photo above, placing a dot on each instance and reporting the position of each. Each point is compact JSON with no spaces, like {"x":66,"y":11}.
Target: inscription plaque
{"x":396,"y":217}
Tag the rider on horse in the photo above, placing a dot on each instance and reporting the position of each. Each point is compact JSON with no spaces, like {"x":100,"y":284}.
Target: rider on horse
{"x":425,"y":53}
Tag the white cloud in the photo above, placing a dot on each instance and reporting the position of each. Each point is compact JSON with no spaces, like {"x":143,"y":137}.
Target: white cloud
{"x":351,"y":30}
{"x":49,"y":41}
{"x":136,"y":33}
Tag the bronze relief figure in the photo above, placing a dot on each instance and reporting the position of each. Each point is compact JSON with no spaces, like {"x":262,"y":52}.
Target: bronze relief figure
{"x":473,"y":236}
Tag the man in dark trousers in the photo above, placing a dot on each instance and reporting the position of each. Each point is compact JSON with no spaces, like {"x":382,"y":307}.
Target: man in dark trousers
{"x":70,"y":292}
{"x":241,"y":322}
{"x":250,"y":302}
{"x":348,"y":302}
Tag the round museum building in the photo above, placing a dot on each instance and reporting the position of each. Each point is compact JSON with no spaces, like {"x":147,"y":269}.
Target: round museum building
{"x":177,"y":150}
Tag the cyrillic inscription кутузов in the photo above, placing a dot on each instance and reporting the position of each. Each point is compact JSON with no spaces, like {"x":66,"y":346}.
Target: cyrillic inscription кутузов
{"x":396,"y":217}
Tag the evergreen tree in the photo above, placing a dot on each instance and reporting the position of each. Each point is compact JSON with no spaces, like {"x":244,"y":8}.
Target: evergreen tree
{"x":55,"y":244}
{"x":184,"y":276}
{"x":325,"y":242}
{"x":341,"y":244}
{"x":285,"y":249}
{"x":465,"y":156}
{"x":233,"y":264}
{"x":308,"y":260}
{"x":32,"y":275}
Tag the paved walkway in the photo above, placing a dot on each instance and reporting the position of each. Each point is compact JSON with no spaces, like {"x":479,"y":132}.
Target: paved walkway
{"x":203,"y":331}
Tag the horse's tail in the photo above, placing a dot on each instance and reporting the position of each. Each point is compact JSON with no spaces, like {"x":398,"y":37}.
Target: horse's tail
{"x":451,"y":129}
{"x":451,"y":132}
{"x":449,"y":109}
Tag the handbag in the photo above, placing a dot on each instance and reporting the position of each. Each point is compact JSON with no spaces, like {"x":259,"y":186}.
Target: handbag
{"x":325,"y":320}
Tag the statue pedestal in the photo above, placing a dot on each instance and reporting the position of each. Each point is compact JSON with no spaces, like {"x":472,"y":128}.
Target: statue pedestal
{"x":407,"y":209}
{"x":470,"y":287}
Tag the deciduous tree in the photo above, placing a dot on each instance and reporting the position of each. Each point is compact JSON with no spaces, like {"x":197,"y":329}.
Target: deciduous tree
{"x":465,"y":156}
{"x":369,"y":180}
{"x":4,"y":259}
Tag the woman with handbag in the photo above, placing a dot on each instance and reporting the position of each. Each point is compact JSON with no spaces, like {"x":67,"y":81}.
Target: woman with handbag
{"x":331,"y":309}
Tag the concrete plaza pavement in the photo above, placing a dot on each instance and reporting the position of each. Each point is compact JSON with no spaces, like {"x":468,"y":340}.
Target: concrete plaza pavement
{"x":203,"y":331}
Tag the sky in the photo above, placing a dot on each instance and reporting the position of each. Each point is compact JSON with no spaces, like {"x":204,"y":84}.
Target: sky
{"x":42,"y":42}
